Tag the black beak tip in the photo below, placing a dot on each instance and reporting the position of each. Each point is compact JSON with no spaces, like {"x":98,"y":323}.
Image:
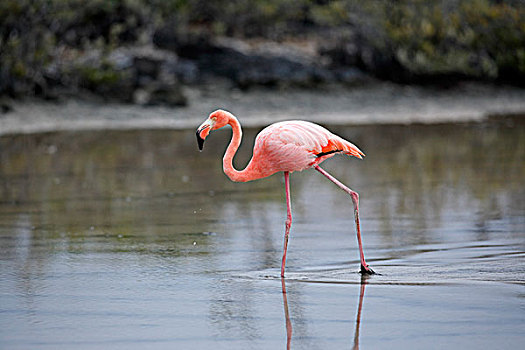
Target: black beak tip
{"x":200,"y":141}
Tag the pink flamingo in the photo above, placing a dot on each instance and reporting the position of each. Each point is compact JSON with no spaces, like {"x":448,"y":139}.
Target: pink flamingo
{"x":285,"y":146}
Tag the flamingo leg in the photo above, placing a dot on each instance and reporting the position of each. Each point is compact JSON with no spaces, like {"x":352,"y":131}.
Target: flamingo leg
{"x":288,"y":218}
{"x":355,"y":200}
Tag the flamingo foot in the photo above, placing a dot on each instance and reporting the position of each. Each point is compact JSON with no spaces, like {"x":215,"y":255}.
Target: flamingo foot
{"x":366,"y":270}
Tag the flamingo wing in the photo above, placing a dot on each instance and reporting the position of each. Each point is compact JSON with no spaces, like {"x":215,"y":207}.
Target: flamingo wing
{"x":298,"y":145}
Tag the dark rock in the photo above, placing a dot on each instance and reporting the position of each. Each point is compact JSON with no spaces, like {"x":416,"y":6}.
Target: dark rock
{"x":350,"y":76}
{"x":185,"y":70}
{"x":245,"y":69}
{"x":261,"y":70}
{"x":5,"y":106}
{"x":223,"y":59}
{"x":356,"y":52}
{"x":146,"y":66}
{"x":185,"y":44}
{"x":142,"y":74}
{"x":170,"y":95}
{"x":160,"y":94}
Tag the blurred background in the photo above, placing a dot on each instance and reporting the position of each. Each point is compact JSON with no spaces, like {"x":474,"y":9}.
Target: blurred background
{"x":117,"y":238}
{"x":148,"y":52}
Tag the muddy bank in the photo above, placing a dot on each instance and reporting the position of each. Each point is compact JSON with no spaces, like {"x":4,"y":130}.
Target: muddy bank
{"x":382,"y":103}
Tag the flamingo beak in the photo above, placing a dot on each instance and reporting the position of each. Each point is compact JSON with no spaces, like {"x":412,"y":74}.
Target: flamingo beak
{"x":200,"y":141}
{"x":202,"y":132}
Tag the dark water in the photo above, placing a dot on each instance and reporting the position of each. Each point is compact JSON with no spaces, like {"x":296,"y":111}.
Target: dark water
{"x":133,"y":240}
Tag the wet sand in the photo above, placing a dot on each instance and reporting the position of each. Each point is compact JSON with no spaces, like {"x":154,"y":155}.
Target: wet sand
{"x":134,"y":239}
{"x":380,"y":103}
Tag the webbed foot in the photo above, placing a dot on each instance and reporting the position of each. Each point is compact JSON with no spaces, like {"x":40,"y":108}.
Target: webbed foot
{"x":366,"y":270}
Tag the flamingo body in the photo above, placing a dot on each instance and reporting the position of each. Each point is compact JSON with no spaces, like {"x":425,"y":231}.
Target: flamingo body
{"x":285,"y":146}
{"x":297,"y":145}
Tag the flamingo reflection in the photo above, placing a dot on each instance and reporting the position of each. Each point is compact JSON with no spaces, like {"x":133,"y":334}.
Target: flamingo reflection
{"x":286,"y":316}
{"x":364,"y":282}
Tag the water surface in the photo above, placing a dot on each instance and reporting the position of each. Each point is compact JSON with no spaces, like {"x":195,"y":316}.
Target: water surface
{"x":134,"y":239}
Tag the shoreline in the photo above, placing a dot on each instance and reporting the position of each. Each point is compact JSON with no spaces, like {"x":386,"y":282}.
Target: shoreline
{"x":374,"y":104}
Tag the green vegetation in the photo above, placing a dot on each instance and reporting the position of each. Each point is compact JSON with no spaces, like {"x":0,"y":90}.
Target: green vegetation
{"x":42,"y":39}
{"x":475,"y":38}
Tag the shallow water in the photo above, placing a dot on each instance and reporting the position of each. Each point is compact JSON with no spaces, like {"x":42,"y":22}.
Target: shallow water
{"x":136,"y":240}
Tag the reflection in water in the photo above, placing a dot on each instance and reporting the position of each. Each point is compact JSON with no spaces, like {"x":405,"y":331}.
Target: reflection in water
{"x":364,"y":282}
{"x":288,"y":322}
{"x":286,"y":316}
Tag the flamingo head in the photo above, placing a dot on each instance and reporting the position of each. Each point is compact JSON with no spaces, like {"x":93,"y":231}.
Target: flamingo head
{"x":215,"y":121}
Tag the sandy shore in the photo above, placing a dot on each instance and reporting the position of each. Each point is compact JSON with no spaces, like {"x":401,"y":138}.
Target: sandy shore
{"x":377,"y":104}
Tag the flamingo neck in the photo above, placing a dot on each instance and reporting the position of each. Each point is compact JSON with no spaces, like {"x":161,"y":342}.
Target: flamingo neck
{"x":227,"y":161}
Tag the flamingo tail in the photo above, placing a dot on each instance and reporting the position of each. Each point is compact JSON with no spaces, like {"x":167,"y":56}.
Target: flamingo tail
{"x":340,"y":145}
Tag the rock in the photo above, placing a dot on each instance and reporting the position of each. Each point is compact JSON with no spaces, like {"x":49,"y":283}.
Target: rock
{"x":261,"y":70}
{"x":185,"y":70}
{"x":146,"y":66}
{"x":352,"y":51}
{"x":147,"y":62}
{"x":350,"y":76}
{"x":160,"y":94}
{"x":226,"y":58}
{"x":170,"y":95}
{"x":142,"y":74}
{"x":5,"y":106}
{"x":186,"y":44}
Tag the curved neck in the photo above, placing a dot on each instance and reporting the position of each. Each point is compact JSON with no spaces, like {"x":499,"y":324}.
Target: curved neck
{"x":227,"y":161}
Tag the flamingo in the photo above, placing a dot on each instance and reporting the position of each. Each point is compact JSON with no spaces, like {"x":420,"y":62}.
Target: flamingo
{"x":285,"y":146}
